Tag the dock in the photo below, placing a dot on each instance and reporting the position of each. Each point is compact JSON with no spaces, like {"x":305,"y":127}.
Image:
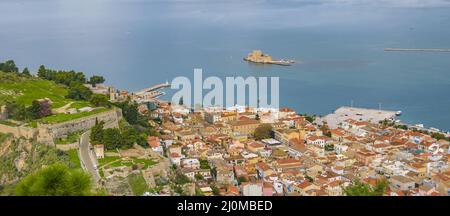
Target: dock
{"x":152,"y":89}
{"x":415,"y":50}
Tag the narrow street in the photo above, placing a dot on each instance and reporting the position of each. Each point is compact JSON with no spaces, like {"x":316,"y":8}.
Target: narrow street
{"x":86,"y":158}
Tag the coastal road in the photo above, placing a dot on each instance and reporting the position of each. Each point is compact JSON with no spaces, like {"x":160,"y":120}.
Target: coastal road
{"x":87,"y":157}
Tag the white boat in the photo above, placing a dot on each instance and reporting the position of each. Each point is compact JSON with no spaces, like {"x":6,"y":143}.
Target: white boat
{"x":398,"y":113}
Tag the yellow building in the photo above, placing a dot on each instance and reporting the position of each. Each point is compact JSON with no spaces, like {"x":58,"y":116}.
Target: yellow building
{"x":284,"y":135}
{"x":245,"y":127}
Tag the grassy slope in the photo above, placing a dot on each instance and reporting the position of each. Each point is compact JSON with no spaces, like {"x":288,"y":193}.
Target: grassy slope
{"x":24,"y":91}
{"x":66,"y":117}
{"x":74,"y":159}
{"x":138,"y":184}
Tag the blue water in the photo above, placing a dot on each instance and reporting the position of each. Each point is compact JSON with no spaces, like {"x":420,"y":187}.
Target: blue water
{"x":138,"y":43}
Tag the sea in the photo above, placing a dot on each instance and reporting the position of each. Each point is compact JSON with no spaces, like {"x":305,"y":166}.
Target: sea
{"x":339,"y":46}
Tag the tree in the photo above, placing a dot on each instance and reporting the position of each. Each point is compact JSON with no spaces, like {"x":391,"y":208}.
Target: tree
{"x":325,"y":130}
{"x":18,"y":111}
{"x":112,"y":139}
{"x":9,"y":67}
{"x":215,"y":190}
{"x":181,"y":179}
{"x":42,"y":72}
{"x":34,"y":109}
{"x":241,"y":179}
{"x":26,"y":72}
{"x":100,"y":100}
{"x":130,"y":111}
{"x":40,"y":108}
{"x":329,"y":147}
{"x":263,"y":131}
{"x":129,"y":137}
{"x":199,"y":177}
{"x":361,"y":189}
{"x":94,"y":80}
{"x":309,"y":118}
{"x":438,"y":136}
{"x":97,"y":132}
{"x":309,"y":178}
{"x":177,"y":189}
{"x":78,"y":91}
{"x":55,"y":180}
{"x":204,"y":164}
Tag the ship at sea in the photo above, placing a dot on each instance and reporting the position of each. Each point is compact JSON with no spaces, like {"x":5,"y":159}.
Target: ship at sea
{"x":257,"y":56}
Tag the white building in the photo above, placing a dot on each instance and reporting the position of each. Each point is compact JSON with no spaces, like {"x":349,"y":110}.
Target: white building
{"x":192,"y":163}
{"x":252,"y":189}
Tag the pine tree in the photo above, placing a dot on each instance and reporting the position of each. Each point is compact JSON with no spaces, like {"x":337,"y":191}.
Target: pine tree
{"x":26,"y":72}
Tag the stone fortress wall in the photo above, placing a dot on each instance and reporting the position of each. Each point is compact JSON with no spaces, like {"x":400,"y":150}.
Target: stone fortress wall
{"x":45,"y":133}
{"x":62,"y":129}
{"x":18,"y":131}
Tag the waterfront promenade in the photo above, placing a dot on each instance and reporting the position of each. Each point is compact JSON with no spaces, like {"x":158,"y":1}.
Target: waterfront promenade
{"x":363,"y":114}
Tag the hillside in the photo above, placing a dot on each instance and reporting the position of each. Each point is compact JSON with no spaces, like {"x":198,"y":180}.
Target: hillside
{"x":20,"y":157}
{"x":25,"y":90}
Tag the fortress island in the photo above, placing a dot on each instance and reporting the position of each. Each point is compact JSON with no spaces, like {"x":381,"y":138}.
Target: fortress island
{"x":257,"y":56}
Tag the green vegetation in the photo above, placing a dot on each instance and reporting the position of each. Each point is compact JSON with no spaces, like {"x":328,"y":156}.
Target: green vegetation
{"x":241,"y":179}
{"x":310,"y":118}
{"x":61,"y":77}
{"x":325,"y":129}
{"x":62,"y":117}
{"x":97,"y":132}
{"x":78,"y":91}
{"x":329,"y":147}
{"x":117,"y":138}
{"x":25,"y":157}
{"x":204,"y":164}
{"x":263,"y":131}
{"x":4,"y":136}
{"x":361,"y":189}
{"x":74,"y":160}
{"x":71,"y":138}
{"x":130,"y":113}
{"x":26,"y":72}
{"x":107,"y":160}
{"x":146,"y":162}
{"x":112,"y":139}
{"x":94,"y":80}
{"x":21,"y":92}
{"x":55,"y":180}
{"x":215,"y":190}
{"x":404,"y":127}
{"x":440,"y":136}
{"x":181,"y":179}
{"x":198,"y":176}
{"x":129,"y":162}
{"x":138,"y":184}
{"x":100,"y":100}
{"x":25,"y":90}
{"x":9,"y":67}
{"x":9,"y":123}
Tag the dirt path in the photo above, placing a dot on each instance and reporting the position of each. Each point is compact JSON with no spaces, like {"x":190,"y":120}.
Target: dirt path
{"x":63,"y":108}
